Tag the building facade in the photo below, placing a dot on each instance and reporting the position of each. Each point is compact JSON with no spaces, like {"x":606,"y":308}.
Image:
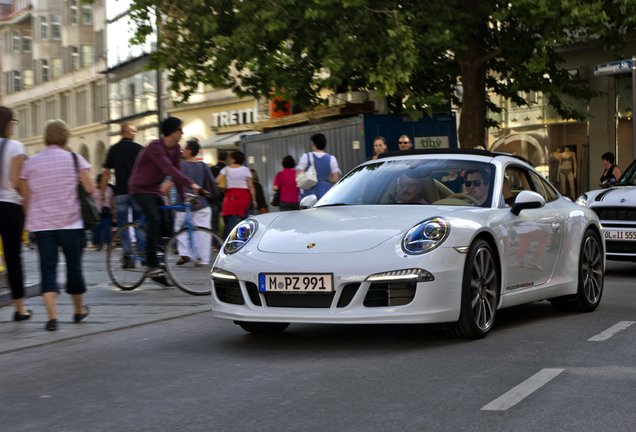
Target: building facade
{"x":51,"y":54}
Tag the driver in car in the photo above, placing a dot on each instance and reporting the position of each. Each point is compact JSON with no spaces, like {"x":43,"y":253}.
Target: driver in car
{"x":408,"y":190}
{"x":477,"y":184}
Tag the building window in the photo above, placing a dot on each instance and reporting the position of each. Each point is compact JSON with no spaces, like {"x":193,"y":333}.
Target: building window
{"x":81,"y":108}
{"x":16,"y":41}
{"x":17,"y":80}
{"x":44,"y":28}
{"x":56,"y":27}
{"x":45,"y":70}
{"x":26,"y":44}
{"x":87,"y":55}
{"x":56,"y":63}
{"x":87,"y":14}
{"x":74,"y":59}
{"x":73,"y":11}
{"x":28,"y":78}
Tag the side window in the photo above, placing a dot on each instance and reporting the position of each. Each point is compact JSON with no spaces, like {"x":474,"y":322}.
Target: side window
{"x":515,"y":180}
{"x":543,"y":188}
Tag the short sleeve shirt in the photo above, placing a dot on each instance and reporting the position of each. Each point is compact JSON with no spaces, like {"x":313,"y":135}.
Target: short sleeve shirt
{"x":8,"y":192}
{"x":121,"y":157}
{"x":303,"y":163}
{"x":236,"y":177}
{"x":52,"y":180}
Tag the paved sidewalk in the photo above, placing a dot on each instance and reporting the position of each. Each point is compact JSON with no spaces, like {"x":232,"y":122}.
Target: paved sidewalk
{"x":111,"y":308}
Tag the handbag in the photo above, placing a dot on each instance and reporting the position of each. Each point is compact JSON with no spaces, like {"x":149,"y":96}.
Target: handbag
{"x":275,"y":199}
{"x":309,"y":178}
{"x":90,"y":215}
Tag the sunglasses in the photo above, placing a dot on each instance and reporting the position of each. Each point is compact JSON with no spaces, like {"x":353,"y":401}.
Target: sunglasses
{"x":403,"y":142}
{"x":475,"y":183}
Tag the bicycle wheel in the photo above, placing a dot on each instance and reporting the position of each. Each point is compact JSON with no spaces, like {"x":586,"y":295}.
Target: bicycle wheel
{"x":189,"y":268}
{"x":125,"y":269}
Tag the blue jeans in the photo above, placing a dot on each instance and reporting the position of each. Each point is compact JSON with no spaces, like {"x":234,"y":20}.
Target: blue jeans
{"x":230,"y":222}
{"x":72,"y":243}
{"x":97,"y":231}
{"x":123,"y":203}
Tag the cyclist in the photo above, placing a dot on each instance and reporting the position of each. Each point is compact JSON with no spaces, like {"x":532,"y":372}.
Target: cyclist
{"x":161,"y":158}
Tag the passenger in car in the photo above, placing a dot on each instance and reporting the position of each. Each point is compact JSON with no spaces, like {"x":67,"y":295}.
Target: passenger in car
{"x":408,"y":190}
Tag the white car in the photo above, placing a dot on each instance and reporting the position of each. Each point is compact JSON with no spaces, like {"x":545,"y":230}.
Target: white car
{"x":616,"y":209}
{"x":392,"y":243}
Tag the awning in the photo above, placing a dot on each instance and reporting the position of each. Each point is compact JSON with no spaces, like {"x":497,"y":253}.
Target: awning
{"x":226,"y":141}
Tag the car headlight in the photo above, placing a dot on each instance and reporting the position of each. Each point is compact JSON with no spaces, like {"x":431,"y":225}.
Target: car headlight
{"x":582,"y":200}
{"x":425,"y":236}
{"x":240,"y":235}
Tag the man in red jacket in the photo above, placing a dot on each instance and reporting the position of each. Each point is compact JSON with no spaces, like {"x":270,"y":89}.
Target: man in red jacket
{"x":161,"y":158}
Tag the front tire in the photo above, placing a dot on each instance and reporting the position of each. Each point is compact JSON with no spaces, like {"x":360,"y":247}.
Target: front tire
{"x":591,"y":276}
{"x":480,"y":293}
{"x":262,"y":328}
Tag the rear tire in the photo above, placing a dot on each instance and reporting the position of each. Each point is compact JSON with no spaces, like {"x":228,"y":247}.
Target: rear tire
{"x":591,"y":276}
{"x":262,"y":328}
{"x":480,"y":293}
{"x":116,"y":258}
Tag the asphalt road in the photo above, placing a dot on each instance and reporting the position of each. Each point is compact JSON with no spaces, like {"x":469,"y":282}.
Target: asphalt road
{"x":538,"y":370}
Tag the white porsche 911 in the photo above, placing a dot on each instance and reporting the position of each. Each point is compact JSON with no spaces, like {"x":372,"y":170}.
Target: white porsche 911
{"x":616,"y":209}
{"x":424,"y":236}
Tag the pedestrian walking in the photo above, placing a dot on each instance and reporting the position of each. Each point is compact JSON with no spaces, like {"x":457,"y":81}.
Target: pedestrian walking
{"x":105,"y":202}
{"x":326,"y":166}
{"x":12,"y":156}
{"x":48,"y":183}
{"x":121,"y":157}
{"x":216,"y":205}
{"x":285,"y":184}
{"x":240,"y":187}
{"x":261,"y":199}
{"x":161,"y":158}
{"x":200,"y":174}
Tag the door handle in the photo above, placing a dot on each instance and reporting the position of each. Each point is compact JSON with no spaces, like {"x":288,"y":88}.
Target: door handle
{"x":556,"y":226}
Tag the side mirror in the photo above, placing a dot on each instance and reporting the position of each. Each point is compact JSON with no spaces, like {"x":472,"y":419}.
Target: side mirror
{"x":308,"y":202}
{"x":527,"y":200}
{"x":608,"y":183}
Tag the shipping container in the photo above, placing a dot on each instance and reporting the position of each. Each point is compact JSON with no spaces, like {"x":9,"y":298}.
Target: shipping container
{"x":350,"y":140}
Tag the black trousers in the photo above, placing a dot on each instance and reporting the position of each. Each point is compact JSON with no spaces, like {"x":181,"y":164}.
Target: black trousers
{"x":158,"y":225}
{"x":11,"y":225}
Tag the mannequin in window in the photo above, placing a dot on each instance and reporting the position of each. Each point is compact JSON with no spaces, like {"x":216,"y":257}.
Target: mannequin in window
{"x":567,"y":171}
{"x":553,"y":162}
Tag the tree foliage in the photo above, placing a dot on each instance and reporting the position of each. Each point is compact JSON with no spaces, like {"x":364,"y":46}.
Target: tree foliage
{"x":414,"y":52}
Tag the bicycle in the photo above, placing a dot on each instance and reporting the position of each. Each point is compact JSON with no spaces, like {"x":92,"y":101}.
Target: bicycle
{"x":127,"y":270}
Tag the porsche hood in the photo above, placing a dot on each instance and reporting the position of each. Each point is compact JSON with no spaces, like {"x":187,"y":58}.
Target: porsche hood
{"x":341,"y":229}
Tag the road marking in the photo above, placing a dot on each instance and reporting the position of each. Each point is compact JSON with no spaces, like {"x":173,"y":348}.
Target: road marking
{"x":523,"y":390}
{"x":611,"y":331}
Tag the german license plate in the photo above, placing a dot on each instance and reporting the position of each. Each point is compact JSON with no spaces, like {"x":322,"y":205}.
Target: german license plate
{"x":305,"y":283}
{"x":619,"y":235}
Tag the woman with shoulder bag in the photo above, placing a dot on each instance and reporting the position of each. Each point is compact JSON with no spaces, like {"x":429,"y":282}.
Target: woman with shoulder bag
{"x":105,"y":204}
{"x":49,"y":185}
{"x":12,"y":156}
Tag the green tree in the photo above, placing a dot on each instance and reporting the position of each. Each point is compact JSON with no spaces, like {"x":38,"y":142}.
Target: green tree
{"x":415,"y":52}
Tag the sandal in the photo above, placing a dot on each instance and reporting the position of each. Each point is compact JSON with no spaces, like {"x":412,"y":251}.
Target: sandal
{"x":183,"y":260}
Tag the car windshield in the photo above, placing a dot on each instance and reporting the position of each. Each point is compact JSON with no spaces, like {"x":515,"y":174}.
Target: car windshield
{"x":415,"y":182}
{"x":629,"y":176}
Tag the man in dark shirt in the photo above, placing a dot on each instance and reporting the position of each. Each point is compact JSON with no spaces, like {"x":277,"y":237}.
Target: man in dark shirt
{"x":216,"y":205}
{"x":121,"y":157}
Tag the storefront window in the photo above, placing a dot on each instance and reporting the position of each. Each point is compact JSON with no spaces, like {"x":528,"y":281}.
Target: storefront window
{"x":556,"y":148}
{"x":624,"y":131}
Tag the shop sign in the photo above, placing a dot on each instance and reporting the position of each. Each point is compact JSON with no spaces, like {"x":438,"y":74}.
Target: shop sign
{"x":431,"y":142}
{"x":234,"y":117}
{"x":619,"y":67}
